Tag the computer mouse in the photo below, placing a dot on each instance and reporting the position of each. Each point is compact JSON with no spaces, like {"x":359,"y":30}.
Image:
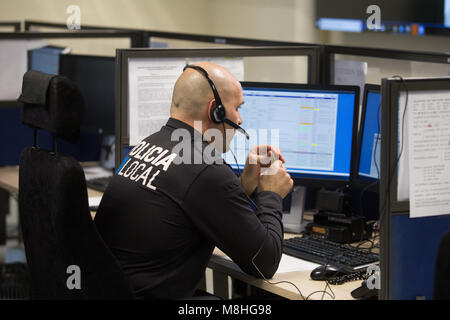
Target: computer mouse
{"x":325,"y":272}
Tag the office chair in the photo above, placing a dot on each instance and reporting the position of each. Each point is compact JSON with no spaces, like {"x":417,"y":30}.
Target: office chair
{"x":66,"y":257}
{"x":442,"y":274}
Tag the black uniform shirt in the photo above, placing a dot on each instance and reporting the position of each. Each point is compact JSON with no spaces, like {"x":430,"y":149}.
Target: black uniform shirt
{"x":162,"y":218}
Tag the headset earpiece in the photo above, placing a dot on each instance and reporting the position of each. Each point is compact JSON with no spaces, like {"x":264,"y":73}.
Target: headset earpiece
{"x":217,"y":113}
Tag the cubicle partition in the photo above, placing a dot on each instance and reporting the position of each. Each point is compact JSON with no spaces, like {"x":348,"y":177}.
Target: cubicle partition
{"x":414,"y":207}
{"x":15,"y":25}
{"x":148,"y":36}
{"x":383,"y":63}
{"x":359,"y":66}
{"x":134,"y":37}
{"x":176,"y":59}
{"x":16,"y":136}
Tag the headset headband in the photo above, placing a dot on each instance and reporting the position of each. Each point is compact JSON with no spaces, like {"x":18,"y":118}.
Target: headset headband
{"x":218,"y":113}
{"x":211,"y":83}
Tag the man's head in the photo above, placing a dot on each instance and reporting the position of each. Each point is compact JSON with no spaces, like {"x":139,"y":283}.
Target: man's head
{"x":193,"y":98}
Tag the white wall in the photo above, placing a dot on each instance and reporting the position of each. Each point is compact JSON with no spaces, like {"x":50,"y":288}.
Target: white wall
{"x":281,"y":20}
{"x":165,"y":15}
{"x":286,"y":20}
{"x":293,"y":20}
{"x":289,"y":20}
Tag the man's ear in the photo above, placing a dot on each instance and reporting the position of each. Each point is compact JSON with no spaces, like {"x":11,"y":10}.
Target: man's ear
{"x":211,"y":104}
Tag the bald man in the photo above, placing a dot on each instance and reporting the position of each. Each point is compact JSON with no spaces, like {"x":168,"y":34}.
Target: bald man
{"x":174,"y":199}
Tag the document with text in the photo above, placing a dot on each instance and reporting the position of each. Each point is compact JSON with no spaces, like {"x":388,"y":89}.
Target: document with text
{"x":429,"y":153}
{"x":150,"y":86}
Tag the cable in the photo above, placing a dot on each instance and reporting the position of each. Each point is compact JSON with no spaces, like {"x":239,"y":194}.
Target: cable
{"x":374,"y":158}
{"x":376,"y":142}
{"x":264,"y":240}
{"x":261,"y":274}
{"x":332,"y":295}
{"x":395,"y":165}
{"x":327,"y":285}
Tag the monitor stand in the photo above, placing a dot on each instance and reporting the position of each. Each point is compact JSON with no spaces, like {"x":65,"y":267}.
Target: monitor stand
{"x":293,"y":221}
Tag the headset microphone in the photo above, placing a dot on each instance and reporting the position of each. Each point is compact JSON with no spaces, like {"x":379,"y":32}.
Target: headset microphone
{"x":237,"y":127}
{"x":218,"y":112}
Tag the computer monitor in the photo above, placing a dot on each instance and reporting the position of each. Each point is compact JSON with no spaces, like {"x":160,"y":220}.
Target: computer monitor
{"x":95,"y":76}
{"x":45,"y":59}
{"x":314,"y":126}
{"x":369,"y":137}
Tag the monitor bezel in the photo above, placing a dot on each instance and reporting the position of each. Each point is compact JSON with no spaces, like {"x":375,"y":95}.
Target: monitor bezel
{"x":63,"y":57}
{"x":320,"y":182}
{"x":368,"y":88}
{"x":30,"y":54}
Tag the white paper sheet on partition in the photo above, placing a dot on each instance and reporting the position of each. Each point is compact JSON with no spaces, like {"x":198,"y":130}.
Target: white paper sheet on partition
{"x":233,"y":64}
{"x":151,"y":82}
{"x":429,"y":153}
{"x":403,"y":147}
{"x":351,"y":73}
{"x":13,"y":65}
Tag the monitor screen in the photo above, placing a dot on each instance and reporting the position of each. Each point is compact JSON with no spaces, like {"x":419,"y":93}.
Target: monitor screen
{"x":413,"y":17}
{"x":313,"y":126}
{"x":369,"y":162}
{"x":95,"y":76}
{"x":447,"y":13}
{"x":45,"y":59}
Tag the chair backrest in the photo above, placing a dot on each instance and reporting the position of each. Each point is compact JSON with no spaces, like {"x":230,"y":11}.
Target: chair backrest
{"x":66,"y":256}
{"x":442,"y":273}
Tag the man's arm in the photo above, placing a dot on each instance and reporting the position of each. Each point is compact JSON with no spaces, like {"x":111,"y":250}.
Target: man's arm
{"x":220,"y":209}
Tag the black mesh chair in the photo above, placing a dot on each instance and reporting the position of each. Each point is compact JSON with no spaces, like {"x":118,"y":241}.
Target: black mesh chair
{"x":442,"y":274}
{"x":59,"y":235}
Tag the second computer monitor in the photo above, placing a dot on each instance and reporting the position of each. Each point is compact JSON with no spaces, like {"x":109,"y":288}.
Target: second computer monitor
{"x":314,"y":126}
{"x":95,"y":76}
{"x":370,"y":141}
{"x":45,"y":59}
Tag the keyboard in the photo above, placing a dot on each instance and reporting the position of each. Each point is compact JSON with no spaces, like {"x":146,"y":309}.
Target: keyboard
{"x":99,"y":184}
{"x":326,"y":252}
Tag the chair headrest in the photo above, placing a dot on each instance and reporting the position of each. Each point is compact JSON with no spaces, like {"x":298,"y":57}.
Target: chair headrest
{"x":53,"y":103}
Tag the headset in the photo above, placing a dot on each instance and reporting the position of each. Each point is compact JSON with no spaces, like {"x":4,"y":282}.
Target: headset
{"x":217,"y":113}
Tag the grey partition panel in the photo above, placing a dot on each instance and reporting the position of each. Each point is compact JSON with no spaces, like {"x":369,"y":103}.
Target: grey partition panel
{"x":134,"y":37}
{"x":146,"y":36}
{"x":408,"y":245}
{"x":329,"y":52}
{"x":15,"y":24}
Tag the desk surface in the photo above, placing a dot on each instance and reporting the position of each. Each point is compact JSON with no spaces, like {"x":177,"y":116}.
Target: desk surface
{"x":301,"y":279}
{"x":9,"y":180}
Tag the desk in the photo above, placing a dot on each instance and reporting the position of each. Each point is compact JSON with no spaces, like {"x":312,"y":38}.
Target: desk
{"x":9,"y":180}
{"x":222,"y":267}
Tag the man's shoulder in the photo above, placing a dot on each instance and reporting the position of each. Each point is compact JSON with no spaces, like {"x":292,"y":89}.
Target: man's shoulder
{"x":219,"y":176}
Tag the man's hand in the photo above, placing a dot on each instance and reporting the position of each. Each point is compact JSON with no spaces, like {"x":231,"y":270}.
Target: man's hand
{"x":259,"y":157}
{"x":276,"y":179}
